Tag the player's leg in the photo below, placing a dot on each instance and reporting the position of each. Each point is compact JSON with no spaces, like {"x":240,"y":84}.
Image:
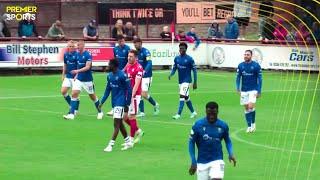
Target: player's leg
{"x":248,"y":117}
{"x":138,"y":133}
{"x":183,"y":91}
{"x":145,"y":86}
{"x":116,"y":128}
{"x":252,"y":109}
{"x":244,"y":100}
{"x":66,"y":85}
{"x":130,"y":120}
{"x":216,"y":171}
{"x":89,"y":87}
{"x":188,"y":102}
{"x":73,"y":105}
{"x":203,"y":174}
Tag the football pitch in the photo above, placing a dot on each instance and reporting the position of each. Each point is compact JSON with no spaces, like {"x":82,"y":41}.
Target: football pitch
{"x":37,"y":143}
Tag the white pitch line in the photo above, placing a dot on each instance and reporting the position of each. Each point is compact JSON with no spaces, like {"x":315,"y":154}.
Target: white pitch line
{"x":236,"y":137}
{"x":233,"y":135}
{"x":164,"y":93}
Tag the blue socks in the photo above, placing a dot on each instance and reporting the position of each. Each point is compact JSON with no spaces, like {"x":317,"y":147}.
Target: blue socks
{"x":96,"y":103}
{"x":250,"y":117}
{"x":181,"y":104}
{"x":253,"y":114}
{"x":189,"y":104}
{"x":151,"y":100}
{"x":67,"y":98}
{"x":141,"y":106}
{"x":74,"y":105}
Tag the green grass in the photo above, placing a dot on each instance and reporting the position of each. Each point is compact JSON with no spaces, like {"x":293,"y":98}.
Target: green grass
{"x":36,"y":143}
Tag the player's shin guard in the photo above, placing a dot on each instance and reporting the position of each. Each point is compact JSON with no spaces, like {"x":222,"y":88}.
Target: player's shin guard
{"x":181,"y":104}
{"x":67,"y":98}
{"x":151,"y":100}
{"x":189,"y":104}
{"x":253,"y":114}
{"x":74,"y":104}
{"x":96,"y":103}
{"x":141,"y":106}
{"x":248,"y":117}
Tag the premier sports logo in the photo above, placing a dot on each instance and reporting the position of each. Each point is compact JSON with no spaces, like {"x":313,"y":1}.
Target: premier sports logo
{"x":19,"y":13}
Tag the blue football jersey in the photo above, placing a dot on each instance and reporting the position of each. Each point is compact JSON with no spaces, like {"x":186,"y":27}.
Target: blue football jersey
{"x":208,"y":139}
{"x":144,"y":58}
{"x":185,"y":64}
{"x":119,"y":85}
{"x":82,"y":60}
{"x":70,"y":60}
{"x":250,"y":75}
{"x":121,"y":53}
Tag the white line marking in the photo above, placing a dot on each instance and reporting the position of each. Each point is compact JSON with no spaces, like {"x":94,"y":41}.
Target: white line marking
{"x":236,"y":137}
{"x":233,"y":134}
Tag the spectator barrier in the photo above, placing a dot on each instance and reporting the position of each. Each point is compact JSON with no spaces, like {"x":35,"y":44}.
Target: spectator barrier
{"x":215,"y":54}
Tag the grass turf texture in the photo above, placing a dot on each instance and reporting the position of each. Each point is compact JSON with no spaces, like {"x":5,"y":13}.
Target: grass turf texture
{"x":36,"y":143}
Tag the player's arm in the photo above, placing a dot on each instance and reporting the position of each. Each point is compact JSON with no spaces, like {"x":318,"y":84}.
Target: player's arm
{"x":228,"y":142}
{"x":192,"y":141}
{"x":174,"y":68}
{"x":106,"y":94}
{"x":238,"y":79}
{"x":195,"y":76}
{"x":137,"y":82}
{"x":259,"y":81}
{"x":129,"y":91}
{"x":148,"y":67}
{"x":87,"y":67}
{"x":64,"y":69}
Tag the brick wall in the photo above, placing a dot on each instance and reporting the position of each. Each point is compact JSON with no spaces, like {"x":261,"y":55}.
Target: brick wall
{"x":75,"y":16}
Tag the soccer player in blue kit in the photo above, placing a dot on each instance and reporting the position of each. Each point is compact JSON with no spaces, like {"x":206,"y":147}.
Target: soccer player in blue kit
{"x":207,"y":133}
{"x":249,"y":74}
{"x":119,"y":85}
{"x":144,"y":58}
{"x":185,"y":64}
{"x":84,"y":80}
{"x":70,"y":63}
{"x":121,"y":53}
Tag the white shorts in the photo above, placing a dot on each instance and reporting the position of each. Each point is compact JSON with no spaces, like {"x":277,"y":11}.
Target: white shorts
{"x":146,"y":83}
{"x":87,"y":86}
{"x":134,"y":106}
{"x":211,"y":170}
{"x":248,"y":97}
{"x":67,"y":82}
{"x":118,"y":112}
{"x":184,"y":89}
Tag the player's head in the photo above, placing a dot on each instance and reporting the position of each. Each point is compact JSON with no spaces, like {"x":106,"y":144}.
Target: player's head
{"x":80,"y":45}
{"x":71,"y":46}
{"x":137,"y":43}
{"x":183,"y":48}
{"x":212,"y":109}
{"x":248,"y":55}
{"x":132,"y":56}
{"x":121,"y":40}
{"x":113,"y":64}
